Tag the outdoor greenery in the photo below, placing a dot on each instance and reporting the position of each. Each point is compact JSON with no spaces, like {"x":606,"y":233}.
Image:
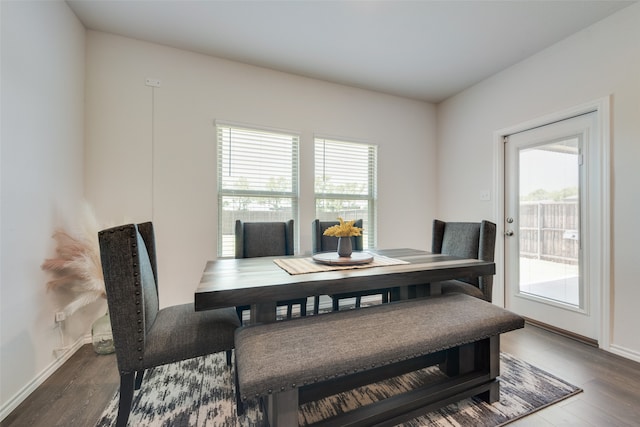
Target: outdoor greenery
{"x":556,"y":196}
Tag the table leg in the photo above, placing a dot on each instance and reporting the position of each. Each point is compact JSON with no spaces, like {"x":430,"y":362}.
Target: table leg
{"x":433,"y":289}
{"x":400,"y":293}
{"x":416,"y":291}
{"x":282,"y":408}
{"x":263,"y":312}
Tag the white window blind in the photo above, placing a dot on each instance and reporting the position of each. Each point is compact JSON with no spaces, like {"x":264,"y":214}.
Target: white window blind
{"x":345,"y":183}
{"x":257,"y":179}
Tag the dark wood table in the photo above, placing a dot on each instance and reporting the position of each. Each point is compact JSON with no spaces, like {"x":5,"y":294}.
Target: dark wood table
{"x":259,"y":282}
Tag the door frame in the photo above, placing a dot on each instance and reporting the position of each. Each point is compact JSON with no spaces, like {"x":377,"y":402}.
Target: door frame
{"x":603,"y":108}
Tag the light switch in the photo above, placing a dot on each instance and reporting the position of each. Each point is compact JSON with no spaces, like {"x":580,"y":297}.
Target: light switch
{"x":152,"y":82}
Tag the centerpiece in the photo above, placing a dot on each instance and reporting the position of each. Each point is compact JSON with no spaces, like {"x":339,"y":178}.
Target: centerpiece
{"x":344,"y":231}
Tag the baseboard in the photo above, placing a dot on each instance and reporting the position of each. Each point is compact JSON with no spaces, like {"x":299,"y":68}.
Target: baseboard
{"x":568,"y":334}
{"x":30,"y":387}
{"x":614,"y":349}
{"x":625,"y":352}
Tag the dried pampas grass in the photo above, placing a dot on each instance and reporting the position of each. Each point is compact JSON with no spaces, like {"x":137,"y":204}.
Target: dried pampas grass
{"x":77,"y":267}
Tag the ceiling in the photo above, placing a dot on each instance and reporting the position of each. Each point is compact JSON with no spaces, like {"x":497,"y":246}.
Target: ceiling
{"x":426,"y":50}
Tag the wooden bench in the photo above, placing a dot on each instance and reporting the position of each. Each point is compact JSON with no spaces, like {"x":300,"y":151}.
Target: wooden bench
{"x":296,"y":361}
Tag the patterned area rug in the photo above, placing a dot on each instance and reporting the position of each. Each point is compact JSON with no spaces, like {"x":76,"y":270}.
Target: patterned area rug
{"x":200,"y":392}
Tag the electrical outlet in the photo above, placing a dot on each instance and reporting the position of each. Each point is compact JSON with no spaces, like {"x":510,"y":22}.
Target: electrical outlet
{"x":485,"y":195}
{"x":60,"y":316}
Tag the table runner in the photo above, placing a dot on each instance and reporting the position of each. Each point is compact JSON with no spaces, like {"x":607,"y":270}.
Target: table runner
{"x":295,"y":266}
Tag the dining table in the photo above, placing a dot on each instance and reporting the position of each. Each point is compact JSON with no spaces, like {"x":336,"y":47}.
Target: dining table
{"x":261,"y":282}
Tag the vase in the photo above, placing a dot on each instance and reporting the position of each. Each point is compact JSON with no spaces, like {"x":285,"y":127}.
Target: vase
{"x":344,"y":247}
{"x":101,"y":335}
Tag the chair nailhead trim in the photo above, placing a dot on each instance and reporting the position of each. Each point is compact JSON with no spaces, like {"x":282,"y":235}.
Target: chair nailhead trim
{"x":137,"y":283}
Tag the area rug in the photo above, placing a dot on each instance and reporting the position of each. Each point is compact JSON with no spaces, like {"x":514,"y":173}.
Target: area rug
{"x":200,"y":392}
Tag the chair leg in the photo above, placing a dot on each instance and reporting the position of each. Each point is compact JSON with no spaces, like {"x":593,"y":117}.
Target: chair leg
{"x":385,"y":297}
{"x":303,"y":308}
{"x":358,"y":301}
{"x":316,"y":304}
{"x":139,"y":377}
{"x":335,"y":304}
{"x":126,"y":398}
{"x":239,"y":311}
{"x":289,"y":311}
{"x":239,"y":404}
{"x":228,"y":357}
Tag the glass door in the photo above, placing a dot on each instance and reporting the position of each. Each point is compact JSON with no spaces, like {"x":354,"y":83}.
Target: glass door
{"x":545,"y":222}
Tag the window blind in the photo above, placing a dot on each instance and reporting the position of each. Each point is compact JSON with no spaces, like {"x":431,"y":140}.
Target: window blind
{"x":345,"y":183}
{"x":257,"y":179}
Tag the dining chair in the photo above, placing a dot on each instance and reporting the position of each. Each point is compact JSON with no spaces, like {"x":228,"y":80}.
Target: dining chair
{"x":260,"y":239}
{"x":322,"y":243}
{"x":144,"y":335}
{"x":468,"y":240}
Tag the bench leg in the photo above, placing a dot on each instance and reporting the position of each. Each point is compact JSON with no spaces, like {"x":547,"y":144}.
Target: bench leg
{"x":283,"y":408}
{"x":460,"y":360}
{"x":466,"y":358}
{"x":493,"y":394}
{"x":484,"y":355}
{"x":490,"y":357}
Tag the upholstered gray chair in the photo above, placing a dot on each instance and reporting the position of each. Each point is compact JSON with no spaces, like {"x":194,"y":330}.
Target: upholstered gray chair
{"x":145,"y":336}
{"x":468,"y":240}
{"x":259,"y":239}
{"x":322,"y":243}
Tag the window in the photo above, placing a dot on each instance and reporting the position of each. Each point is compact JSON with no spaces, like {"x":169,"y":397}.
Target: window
{"x":345,"y":183}
{"x":257,"y":179}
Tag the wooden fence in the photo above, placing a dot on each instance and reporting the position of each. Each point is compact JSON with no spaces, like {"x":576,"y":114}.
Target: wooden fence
{"x":229,"y":217}
{"x":550,"y":231}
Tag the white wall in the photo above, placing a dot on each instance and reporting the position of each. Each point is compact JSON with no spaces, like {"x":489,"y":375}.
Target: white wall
{"x":42,"y":185}
{"x":151,"y":153}
{"x":604,"y":59}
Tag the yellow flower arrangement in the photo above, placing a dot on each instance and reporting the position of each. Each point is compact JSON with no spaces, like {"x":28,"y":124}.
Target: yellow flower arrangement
{"x":344,"y":229}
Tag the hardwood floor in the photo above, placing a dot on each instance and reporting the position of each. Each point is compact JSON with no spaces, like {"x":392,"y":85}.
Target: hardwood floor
{"x":79,"y":391}
{"x":611,"y":383}
{"x":74,"y":396}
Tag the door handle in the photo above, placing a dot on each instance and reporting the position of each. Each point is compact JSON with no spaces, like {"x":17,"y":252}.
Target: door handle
{"x":508,"y":233}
